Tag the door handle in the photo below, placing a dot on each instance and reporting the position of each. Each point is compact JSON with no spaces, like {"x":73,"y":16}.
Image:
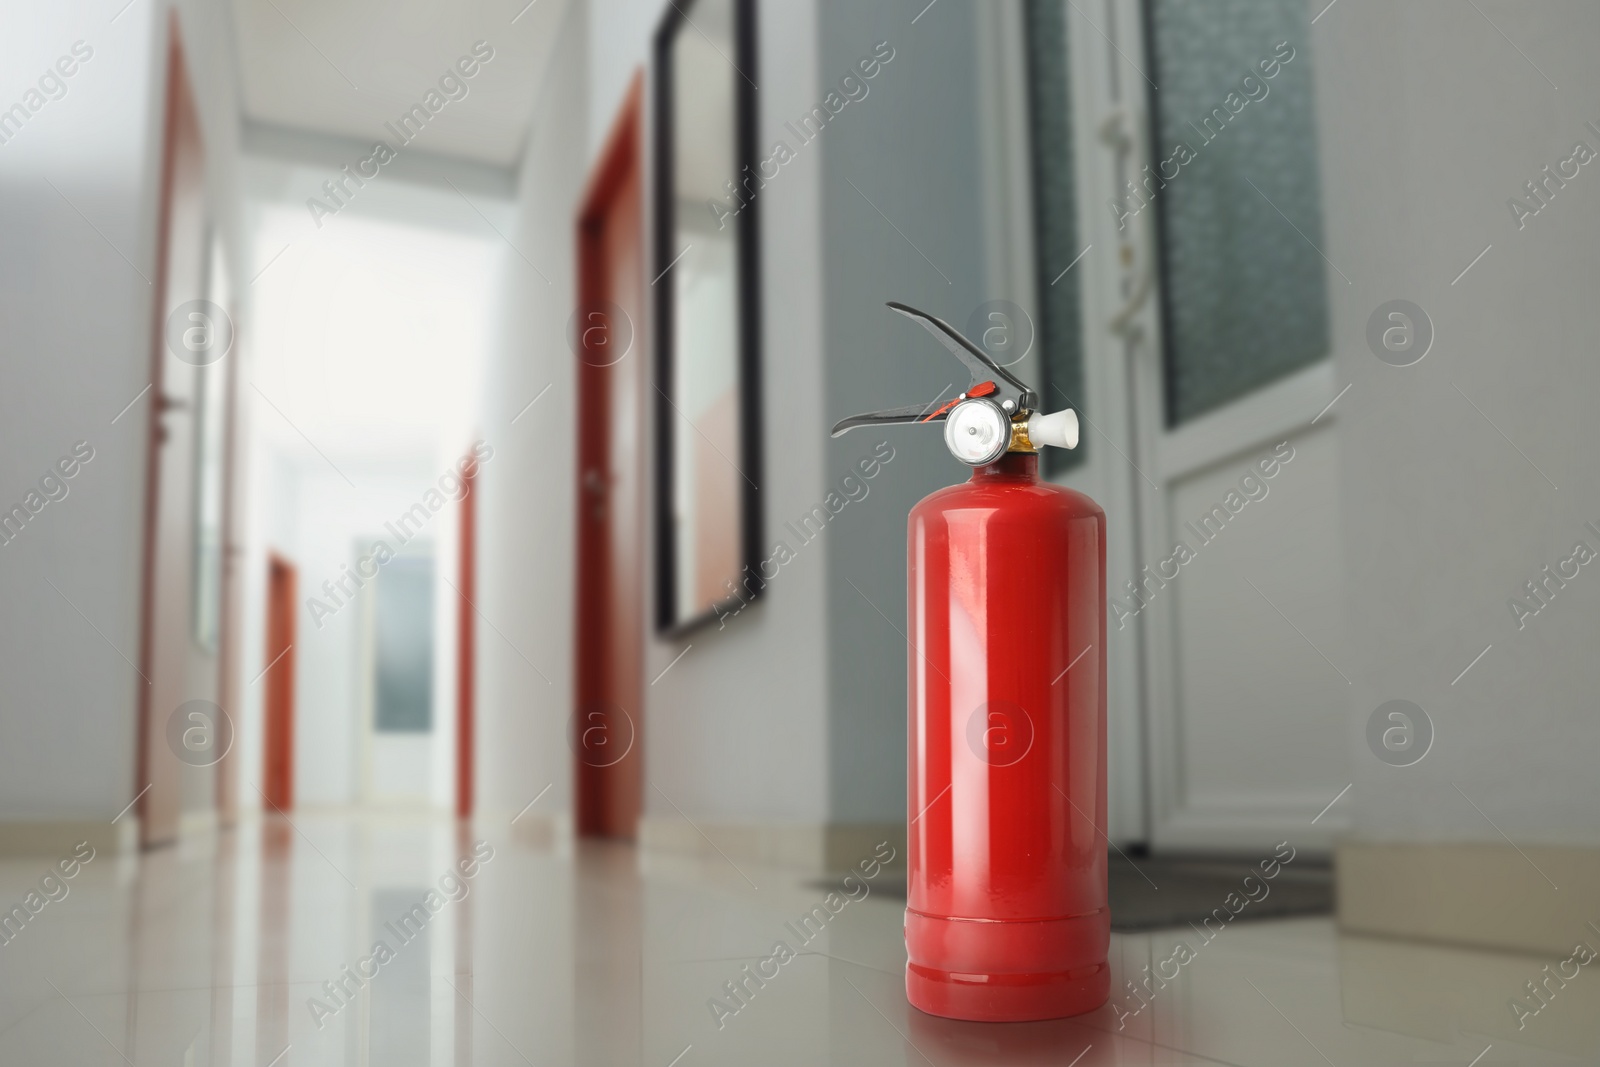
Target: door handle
{"x":597,"y":491}
{"x":1122,"y":132}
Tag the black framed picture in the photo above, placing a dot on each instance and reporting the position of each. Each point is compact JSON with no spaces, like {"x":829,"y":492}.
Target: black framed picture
{"x":705,"y":259}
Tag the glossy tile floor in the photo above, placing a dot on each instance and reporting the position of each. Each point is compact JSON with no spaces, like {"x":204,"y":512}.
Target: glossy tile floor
{"x":230,"y":949}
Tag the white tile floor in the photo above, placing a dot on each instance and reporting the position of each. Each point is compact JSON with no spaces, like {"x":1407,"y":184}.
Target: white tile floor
{"x":212,"y":952}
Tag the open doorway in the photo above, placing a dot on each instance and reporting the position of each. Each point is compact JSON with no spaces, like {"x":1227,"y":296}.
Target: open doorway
{"x":467,"y":643}
{"x":366,"y":338}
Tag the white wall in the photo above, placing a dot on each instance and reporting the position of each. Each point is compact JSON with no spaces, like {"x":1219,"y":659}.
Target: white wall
{"x":740,"y":723}
{"x":1430,"y":121}
{"x":736,"y":731}
{"x":911,"y":147}
{"x":525,"y":505}
{"x":75,"y":308}
{"x":794,"y":713}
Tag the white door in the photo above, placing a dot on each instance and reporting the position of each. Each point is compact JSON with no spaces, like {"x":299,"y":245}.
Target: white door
{"x":1219,"y":320}
{"x":1203,"y":305}
{"x":399,"y":661}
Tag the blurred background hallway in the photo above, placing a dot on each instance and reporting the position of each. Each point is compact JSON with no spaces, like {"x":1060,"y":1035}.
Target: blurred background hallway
{"x":419,"y":524}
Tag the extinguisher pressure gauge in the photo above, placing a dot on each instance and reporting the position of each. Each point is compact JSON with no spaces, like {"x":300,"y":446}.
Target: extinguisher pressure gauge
{"x":996,"y":414}
{"x":977,"y":432}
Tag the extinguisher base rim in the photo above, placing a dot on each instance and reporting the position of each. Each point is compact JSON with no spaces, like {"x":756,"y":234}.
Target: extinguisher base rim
{"x":1002,"y":970}
{"x":1007,"y":998}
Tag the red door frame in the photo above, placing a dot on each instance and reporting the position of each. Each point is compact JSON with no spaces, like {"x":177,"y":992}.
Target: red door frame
{"x":466,"y":639}
{"x":277,"y":771}
{"x":609,"y":614}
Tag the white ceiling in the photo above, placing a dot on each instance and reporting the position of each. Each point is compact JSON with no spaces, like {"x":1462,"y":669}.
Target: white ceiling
{"x":345,"y":67}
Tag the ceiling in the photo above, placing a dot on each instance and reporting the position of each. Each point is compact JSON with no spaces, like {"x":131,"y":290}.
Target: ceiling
{"x":345,"y":67}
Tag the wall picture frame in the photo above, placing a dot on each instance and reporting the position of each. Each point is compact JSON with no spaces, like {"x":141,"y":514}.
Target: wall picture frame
{"x":707,"y":318}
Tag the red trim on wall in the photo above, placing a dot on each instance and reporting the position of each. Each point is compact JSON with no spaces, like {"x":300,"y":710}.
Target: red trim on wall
{"x":277,"y":772}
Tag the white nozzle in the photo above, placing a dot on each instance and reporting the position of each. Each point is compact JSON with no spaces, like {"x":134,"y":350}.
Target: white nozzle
{"x":1059,"y":430}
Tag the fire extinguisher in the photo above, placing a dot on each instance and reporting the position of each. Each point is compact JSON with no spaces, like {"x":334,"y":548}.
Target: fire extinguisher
{"x":1006,"y":912}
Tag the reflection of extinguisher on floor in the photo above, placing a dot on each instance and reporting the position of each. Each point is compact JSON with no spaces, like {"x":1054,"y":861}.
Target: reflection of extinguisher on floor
{"x":1006,"y":915}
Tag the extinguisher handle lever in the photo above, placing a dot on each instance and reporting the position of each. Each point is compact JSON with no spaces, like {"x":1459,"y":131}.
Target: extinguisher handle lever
{"x":977,"y":362}
{"x":1006,"y":393}
{"x":909,"y":413}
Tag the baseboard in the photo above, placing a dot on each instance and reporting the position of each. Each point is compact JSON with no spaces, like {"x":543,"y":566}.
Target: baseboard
{"x":848,"y":845}
{"x":1532,"y":898}
{"x":58,"y":837}
{"x":821,"y":848}
{"x":540,"y":832}
{"x":198,"y":824}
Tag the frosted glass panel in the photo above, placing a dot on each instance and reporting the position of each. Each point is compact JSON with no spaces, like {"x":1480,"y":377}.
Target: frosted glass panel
{"x":1235,"y":185}
{"x":403,"y":631}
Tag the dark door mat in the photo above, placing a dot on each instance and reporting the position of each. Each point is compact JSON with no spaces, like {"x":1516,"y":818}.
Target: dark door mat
{"x":1149,"y":893}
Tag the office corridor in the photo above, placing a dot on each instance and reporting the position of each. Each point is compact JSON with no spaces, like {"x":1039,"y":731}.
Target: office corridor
{"x":444,"y":621}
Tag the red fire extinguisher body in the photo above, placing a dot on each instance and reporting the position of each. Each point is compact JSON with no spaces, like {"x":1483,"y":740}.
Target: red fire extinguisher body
{"x":1006,"y":916}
